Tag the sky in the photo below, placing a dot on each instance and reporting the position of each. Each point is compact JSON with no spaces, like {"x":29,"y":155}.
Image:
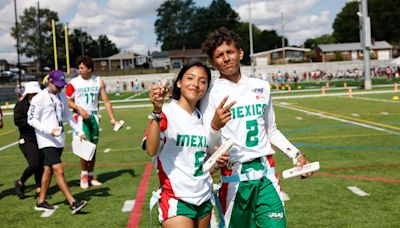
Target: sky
{"x":130,"y":23}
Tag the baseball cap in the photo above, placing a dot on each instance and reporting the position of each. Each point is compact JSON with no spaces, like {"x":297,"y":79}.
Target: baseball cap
{"x":58,"y":78}
{"x":30,"y":88}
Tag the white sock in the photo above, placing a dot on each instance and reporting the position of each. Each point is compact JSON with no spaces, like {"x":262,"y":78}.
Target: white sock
{"x":84,"y":173}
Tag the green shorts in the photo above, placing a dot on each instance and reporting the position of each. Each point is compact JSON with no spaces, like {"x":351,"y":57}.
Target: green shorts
{"x":90,"y":127}
{"x":256,"y":202}
{"x":173,"y":207}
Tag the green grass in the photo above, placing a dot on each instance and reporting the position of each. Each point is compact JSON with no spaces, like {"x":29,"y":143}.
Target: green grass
{"x":349,"y":155}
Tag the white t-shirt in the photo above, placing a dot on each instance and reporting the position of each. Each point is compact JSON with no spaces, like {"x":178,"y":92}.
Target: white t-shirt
{"x":182,"y":151}
{"x":47,"y":111}
{"x":85,"y":92}
{"x":252,"y":126}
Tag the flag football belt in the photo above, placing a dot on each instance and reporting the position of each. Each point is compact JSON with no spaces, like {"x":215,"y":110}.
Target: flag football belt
{"x":251,"y":174}
{"x":155,"y":196}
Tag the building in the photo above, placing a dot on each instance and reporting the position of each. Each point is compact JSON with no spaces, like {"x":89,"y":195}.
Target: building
{"x":160,"y":59}
{"x":119,"y":61}
{"x":275,"y":56}
{"x":380,"y":50}
{"x":178,"y":58}
{"x":4,"y":65}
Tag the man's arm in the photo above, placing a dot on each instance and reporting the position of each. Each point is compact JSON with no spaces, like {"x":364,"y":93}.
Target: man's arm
{"x":106,"y":102}
{"x":34,"y":113}
{"x":69,"y":92}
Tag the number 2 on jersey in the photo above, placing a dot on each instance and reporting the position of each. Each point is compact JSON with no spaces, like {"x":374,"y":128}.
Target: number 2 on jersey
{"x":252,"y":133}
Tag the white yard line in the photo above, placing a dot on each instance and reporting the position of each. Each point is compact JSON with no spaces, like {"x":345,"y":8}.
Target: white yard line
{"x":357,"y":191}
{"x":8,"y":146}
{"x":331,"y":95}
{"x":338,"y":119}
{"x":128,"y":205}
{"x":135,"y":95}
{"x":107,"y":150}
{"x":48,"y":213}
{"x":373,"y":99}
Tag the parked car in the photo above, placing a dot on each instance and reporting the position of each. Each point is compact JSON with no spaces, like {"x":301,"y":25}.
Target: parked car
{"x":7,"y":76}
{"x":25,"y":77}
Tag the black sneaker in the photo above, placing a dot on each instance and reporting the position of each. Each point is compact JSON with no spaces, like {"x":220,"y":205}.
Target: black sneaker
{"x":19,"y":190}
{"x":77,"y":206}
{"x":43,"y":206}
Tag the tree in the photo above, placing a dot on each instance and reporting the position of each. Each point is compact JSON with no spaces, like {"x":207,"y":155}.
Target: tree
{"x":385,"y":23}
{"x":173,"y":23}
{"x":324,"y":39}
{"x":35,"y":42}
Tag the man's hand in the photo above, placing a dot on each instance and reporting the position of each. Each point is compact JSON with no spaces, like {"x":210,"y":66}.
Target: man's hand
{"x":222,"y":114}
{"x":82,"y":112}
{"x":301,"y":161}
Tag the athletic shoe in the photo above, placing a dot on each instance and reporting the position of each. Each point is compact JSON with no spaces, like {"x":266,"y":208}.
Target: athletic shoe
{"x":44,"y":206}
{"x":19,"y":190}
{"x":77,"y":206}
{"x":94,"y":182}
{"x":84,"y":182}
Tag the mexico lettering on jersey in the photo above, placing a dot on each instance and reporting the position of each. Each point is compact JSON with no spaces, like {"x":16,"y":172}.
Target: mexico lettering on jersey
{"x":182,"y":151}
{"x":85,"y":92}
{"x":248,"y":127}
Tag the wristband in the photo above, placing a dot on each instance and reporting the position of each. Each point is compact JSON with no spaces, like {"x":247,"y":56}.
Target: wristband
{"x":155,"y":116}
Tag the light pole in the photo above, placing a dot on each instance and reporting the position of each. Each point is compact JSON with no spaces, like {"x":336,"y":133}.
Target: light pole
{"x":17,"y":34}
{"x":365,"y":39}
{"x":251,"y":41}
{"x":283,"y":38}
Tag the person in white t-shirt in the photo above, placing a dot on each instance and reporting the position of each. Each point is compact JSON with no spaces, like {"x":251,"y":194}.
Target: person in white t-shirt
{"x":250,"y":191}
{"x":177,"y":142}
{"x":83,"y":94}
{"x":46,"y":114}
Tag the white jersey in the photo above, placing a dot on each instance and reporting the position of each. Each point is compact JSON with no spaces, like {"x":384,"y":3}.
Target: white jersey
{"x":252,"y":126}
{"x":47,"y":111}
{"x":85,"y":92}
{"x":182,"y":152}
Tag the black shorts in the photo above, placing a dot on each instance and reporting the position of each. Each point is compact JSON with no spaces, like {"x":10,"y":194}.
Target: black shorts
{"x":52,"y":155}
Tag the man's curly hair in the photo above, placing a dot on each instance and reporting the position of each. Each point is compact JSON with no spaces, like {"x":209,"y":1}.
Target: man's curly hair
{"x":218,"y":37}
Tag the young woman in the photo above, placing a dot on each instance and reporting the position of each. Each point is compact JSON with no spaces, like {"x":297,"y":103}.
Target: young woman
{"x":177,"y":142}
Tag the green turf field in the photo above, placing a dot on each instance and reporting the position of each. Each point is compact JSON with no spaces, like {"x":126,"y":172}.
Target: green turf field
{"x":356,"y":140}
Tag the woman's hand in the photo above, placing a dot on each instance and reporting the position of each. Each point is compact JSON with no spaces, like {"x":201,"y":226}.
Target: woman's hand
{"x":157,"y":94}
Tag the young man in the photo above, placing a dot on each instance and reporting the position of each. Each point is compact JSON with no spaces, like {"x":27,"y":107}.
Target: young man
{"x":83,"y":97}
{"x":46,"y":114}
{"x":27,"y":141}
{"x":248,"y":195}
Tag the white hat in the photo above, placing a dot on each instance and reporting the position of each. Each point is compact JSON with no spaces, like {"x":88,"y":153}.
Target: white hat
{"x":31,"y":87}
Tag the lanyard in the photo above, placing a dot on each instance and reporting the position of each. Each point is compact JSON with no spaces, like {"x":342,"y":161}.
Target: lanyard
{"x":60,"y":123}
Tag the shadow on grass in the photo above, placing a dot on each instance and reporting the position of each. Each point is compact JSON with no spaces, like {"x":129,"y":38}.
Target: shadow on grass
{"x":103,"y":177}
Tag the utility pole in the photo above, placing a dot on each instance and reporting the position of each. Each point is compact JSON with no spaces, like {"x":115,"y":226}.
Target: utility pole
{"x":365,"y":24}
{"x":251,"y":41}
{"x":17,"y":33}
{"x":283,"y":38}
{"x":40,"y":51}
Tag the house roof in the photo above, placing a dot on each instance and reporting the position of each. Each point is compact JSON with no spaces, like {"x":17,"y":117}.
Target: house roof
{"x":352,"y":46}
{"x":186,"y":53}
{"x":160,"y":54}
{"x":121,"y":55}
{"x":281,"y":49}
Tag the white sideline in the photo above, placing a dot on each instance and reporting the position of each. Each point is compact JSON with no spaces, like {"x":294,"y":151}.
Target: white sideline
{"x":357,"y":191}
{"x":338,"y":119}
